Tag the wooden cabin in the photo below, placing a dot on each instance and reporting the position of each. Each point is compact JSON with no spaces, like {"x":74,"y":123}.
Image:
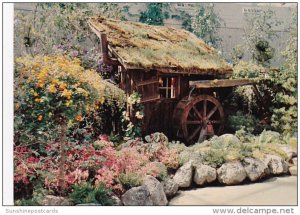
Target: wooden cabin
{"x":158,"y":62}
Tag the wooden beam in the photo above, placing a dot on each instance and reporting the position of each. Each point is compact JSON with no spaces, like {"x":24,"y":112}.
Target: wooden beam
{"x":204,"y":84}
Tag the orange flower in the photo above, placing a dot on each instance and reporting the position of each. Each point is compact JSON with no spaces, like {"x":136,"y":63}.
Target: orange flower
{"x":62,"y":86}
{"x":78,"y":118}
{"x":40,"y":118}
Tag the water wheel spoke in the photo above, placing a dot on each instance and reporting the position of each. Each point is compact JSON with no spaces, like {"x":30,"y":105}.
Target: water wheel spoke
{"x":197,"y":130}
{"x":193,"y":122}
{"x":202,"y":134}
{"x":215,"y":121}
{"x":197,"y":112}
{"x":212,"y":111}
{"x":204,"y":107}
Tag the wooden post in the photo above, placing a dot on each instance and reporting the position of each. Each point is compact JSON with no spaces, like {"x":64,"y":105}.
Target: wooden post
{"x":104,"y":49}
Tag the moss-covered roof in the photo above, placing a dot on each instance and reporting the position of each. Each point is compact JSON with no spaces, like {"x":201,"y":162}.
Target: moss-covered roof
{"x":141,"y":46}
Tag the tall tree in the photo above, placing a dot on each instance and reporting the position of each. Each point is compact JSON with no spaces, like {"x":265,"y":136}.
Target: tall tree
{"x":61,"y":27}
{"x":206,"y":23}
{"x":258,"y":33}
{"x":155,"y":14}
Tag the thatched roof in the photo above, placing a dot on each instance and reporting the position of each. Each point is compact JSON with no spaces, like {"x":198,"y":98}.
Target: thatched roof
{"x":141,"y":46}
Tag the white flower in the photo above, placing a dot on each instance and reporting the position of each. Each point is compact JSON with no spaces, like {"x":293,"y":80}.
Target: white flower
{"x":129,"y":126}
{"x":130,"y":100}
{"x":139,"y":115}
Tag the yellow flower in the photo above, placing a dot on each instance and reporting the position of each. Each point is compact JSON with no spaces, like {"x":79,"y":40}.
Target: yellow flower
{"x":67,"y":94}
{"x":51,"y":88}
{"x":69,"y":103}
{"x":102,"y":100}
{"x":40,"y":84}
{"x":40,"y":118}
{"x":55,"y":82}
{"x":35,"y":94}
{"x":37,"y":100}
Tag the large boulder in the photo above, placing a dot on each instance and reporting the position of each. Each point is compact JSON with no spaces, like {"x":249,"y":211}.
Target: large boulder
{"x":288,"y":150}
{"x":170,"y":187}
{"x":231,"y":173}
{"x":255,"y":168}
{"x":204,"y":174}
{"x":293,"y":170}
{"x":118,"y":201}
{"x":183,"y":176}
{"x":56,"y":201}
{"x":276,"y":164}
{"x":137,"y":196}
{"x":156,"y":190}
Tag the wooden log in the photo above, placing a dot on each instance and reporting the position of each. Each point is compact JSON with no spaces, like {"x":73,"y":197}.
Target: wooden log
{"x":217,"y":83}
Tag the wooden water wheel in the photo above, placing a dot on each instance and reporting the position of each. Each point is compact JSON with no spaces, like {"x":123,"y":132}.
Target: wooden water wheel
{"x":197,"y":117}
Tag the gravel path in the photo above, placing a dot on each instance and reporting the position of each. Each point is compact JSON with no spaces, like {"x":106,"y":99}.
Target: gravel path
{"x":274,"y":191}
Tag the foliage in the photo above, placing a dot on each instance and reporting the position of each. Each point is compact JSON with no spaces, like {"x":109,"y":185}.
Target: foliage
{"x":220,"y":151}
{"x":206,"y":23}
{"x":249,"y":122}
{"x":155,"y":14}
{"x":61,"y":28}
{"x":259,"y":31}
{"x":129,"y":180}
{"x":133,"y":117}
{"x":87,"y":193}
{"x":54,"y":87}
{"x":284,"y":83}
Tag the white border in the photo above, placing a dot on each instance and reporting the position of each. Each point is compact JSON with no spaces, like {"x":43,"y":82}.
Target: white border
{"x":8,"y":103}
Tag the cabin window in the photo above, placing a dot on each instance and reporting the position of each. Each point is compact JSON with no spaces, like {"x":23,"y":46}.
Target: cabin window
{"x":168,"y":87}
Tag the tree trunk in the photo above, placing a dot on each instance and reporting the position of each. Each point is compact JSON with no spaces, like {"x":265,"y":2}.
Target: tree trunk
{"x":63,"y":130}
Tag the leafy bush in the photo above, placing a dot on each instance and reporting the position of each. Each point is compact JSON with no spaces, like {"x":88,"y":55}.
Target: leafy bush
{"x":129,"y":180}
{"x":247,"y":121}
{"x":220,"y":151}
{"x":87,"y":193}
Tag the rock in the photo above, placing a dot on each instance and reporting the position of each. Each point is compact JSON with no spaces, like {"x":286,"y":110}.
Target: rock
{"x":231,"y":173}
{"x":288,"y":150}
{"x":276,"y":164}
{"x":293,"y":170}
{"x":137,"y":196}
{"x":157,"y":137}
{"x":118,"y":201}
{"x":56,"y":200}
{"x":204,"y":174}
{"x":89,"y":204}
{"x":255,"y":168}
{"x":295,"y":161}
{"x":156,"y":190}
{"x":170,"y":187}
{"x":183,"y":176}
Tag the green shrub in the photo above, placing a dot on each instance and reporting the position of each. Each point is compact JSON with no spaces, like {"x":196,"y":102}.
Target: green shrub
{"x":247,"y":121}
{"x":129,"y":180}
{"x":87,"y":193}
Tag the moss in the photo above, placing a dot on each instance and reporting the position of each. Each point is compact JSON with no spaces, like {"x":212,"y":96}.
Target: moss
{"x":146,"y":46}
